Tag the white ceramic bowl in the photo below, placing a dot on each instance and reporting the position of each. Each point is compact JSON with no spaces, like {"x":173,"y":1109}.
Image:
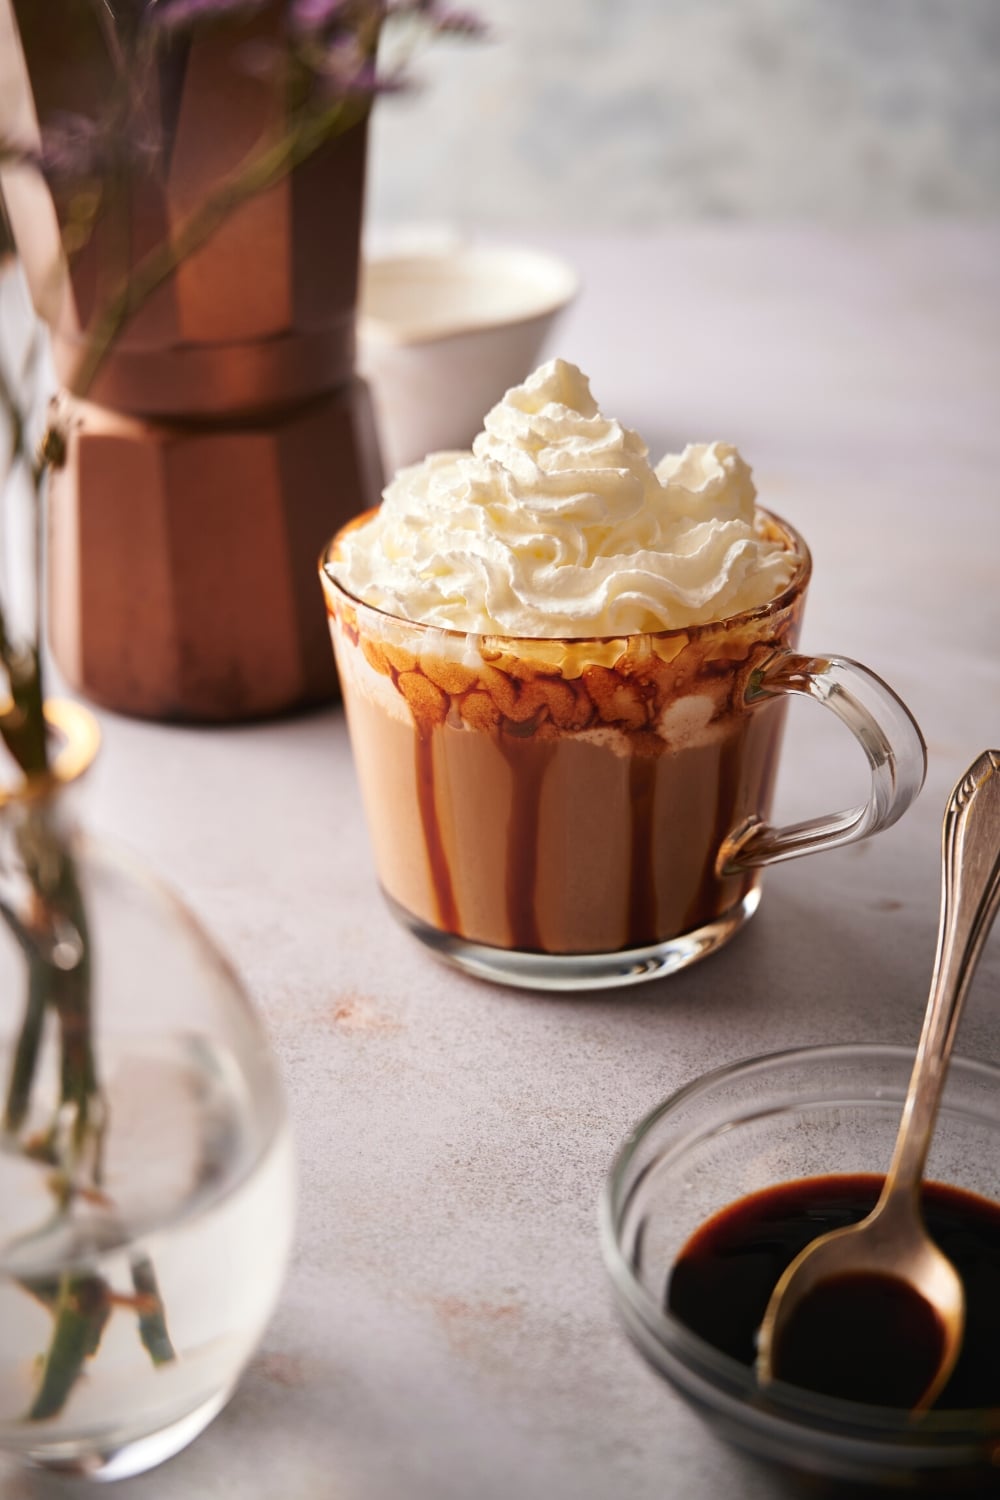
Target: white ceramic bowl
{"x":443,"y":333}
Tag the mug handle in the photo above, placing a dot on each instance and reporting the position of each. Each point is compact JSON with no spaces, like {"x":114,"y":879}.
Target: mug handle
{"x":882,"y":725}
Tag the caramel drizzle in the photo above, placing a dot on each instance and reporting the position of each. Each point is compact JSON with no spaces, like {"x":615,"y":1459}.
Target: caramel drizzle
{"x":437,"y":859}
{"x":705,"y":906}
{"x":626,"y":700}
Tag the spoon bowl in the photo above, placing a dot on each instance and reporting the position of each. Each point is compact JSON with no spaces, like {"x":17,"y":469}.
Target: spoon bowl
{"x":860,"y":1280}
{"x":862,"y":1273}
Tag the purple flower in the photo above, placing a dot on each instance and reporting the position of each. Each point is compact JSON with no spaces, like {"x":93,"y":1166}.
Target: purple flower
{"x":343,"y":75}
{"x":327,"y":47}
{"x":75,"y":147}
{"x":458,"y":23}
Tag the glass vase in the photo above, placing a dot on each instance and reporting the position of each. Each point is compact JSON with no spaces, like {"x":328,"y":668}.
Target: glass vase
{"x":146,"y":1180}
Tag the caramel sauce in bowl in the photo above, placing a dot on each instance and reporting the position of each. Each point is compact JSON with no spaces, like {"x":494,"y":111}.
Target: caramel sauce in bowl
{"x":718,"y":1184}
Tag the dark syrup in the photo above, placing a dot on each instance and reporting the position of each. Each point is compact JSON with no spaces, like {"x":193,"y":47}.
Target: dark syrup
{"x":888,"y":1337}
{"x":437,"y":859}
{"x":870,"y":1337}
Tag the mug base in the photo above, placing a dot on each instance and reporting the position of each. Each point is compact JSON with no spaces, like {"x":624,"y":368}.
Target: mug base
{"x":573,"y":972}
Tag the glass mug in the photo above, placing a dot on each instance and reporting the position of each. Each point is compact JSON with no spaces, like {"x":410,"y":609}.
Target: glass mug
{"x":574,"y":814}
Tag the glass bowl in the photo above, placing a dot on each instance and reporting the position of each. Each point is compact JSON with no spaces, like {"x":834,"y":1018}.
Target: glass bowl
{"x":750,"y":1126}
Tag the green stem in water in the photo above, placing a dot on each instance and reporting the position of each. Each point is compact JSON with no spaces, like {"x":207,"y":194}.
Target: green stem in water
{"x":52,"y":930}
{"x":54,"y":936}
{"x":70,"y":997}
{"x":81,"y":1308}
{"x":28,"y":1045}
{"x":81,"y":1305}
{"x":152,"y":1318}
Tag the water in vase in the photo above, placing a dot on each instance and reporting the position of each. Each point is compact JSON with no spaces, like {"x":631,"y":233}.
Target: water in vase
{"x":128,"y":1314}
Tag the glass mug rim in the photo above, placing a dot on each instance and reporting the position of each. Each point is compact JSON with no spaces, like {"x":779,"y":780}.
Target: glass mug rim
{"x":699,"y":912}
{"x":793,"y":589}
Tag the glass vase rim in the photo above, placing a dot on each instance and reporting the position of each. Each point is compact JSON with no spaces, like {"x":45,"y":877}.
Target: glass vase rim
{"x":75,"y":737}
{"x":793,"y":589}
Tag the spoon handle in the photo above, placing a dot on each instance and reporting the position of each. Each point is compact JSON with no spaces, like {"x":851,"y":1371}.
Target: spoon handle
{"x":970,"y":895}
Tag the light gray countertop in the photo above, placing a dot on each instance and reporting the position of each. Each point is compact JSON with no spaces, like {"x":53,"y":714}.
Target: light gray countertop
{"x":446,"y":1329}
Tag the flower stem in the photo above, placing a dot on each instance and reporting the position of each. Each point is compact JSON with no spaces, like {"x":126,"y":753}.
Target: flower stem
{"x":152,"y":1319}
{"x":82,"y":1302}
{"x":82,"y":1306}
{"x":29,"y":1042}
{"x":70,"y":997}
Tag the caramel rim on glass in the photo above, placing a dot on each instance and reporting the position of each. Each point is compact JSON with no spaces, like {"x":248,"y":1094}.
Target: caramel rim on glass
{"x":75,"y":738}
{"x":796,"y":585}
{"x":732,"y":1383}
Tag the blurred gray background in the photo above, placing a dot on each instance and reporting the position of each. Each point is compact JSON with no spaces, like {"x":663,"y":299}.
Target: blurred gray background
{"x":602,"y":114}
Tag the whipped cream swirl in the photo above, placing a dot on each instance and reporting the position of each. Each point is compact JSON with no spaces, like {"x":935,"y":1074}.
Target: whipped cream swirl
{"x":556,"y":525}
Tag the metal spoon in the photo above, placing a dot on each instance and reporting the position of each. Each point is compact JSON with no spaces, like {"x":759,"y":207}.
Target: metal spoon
{"x":893,"y":1240}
